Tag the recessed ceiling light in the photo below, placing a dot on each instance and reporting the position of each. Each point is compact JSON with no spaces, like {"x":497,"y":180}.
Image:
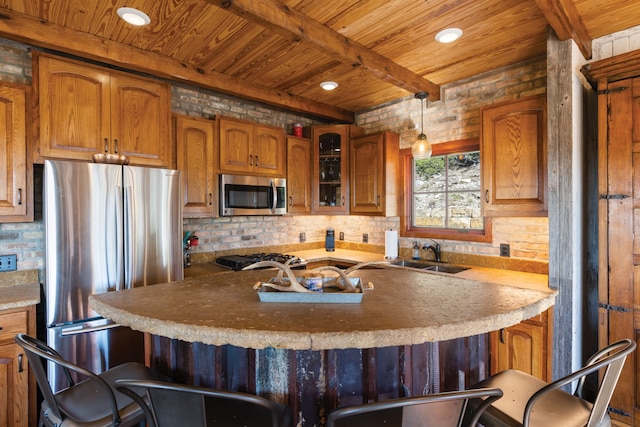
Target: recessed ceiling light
{"x":449,"y":35}
{"x":328,"y":85}
{"x":133,"y":16}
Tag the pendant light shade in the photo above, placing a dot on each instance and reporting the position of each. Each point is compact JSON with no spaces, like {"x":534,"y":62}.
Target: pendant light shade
{"x":421,"y":149}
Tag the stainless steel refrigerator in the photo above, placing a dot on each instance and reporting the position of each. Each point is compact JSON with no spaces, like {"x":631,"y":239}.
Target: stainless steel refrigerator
{"x":107,"y":228}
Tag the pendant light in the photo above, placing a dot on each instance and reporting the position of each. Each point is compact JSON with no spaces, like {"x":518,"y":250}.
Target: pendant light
{"x":421,"y":149}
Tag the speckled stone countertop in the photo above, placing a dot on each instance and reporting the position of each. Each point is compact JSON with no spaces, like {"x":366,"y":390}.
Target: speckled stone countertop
{"x":19,"y":289}
{"x":406,"y":307}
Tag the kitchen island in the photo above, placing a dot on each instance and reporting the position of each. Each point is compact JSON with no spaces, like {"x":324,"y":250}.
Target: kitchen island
{"x":212,"y":330}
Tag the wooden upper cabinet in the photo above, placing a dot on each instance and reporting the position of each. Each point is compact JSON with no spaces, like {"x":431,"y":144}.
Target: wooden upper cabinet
{"x":141,"y":120}
{"x":15,"y":194}
{"x":195,"y":155}
{"x":374,"y":174}
{"x":85,"y":110}
{"x":298,"y":175}
{"x":330,"y":167}
{"x":514,"y":158}
{"x":251,"y":148}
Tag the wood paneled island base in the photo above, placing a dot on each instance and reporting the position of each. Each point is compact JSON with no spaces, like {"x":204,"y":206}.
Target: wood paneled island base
{"x":415,"y":333}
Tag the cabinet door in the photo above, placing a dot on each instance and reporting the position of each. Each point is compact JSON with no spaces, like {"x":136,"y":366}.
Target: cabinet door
{"x":74,"y":110}
{"x":514,"y":158}
{"x":236,"y":142}
{"x":367,"y":174}
{"x":522,"y":347}
{"x":141,"y":116}
{"x":195,"y":157}
{"x":13,"y":155}
{"x":330,"y":192}
{"x":268,"y":151}
{"x":298,"y":175}
{"x":14,"y":386}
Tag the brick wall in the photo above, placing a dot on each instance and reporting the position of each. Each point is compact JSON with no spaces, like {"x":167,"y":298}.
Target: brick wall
{"x":454,"y":117}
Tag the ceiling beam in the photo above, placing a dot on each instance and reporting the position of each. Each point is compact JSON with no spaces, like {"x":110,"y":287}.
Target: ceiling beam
{"x":46,"y":35}
{"x":290,"y":23}
{"x":565,"y":20}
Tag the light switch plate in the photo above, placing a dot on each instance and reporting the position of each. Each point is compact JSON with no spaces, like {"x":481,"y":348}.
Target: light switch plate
{"x":8,"y":263}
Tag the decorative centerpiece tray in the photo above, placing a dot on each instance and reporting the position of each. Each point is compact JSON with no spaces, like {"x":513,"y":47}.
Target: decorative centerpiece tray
{"x":327,"y":296}
{"x":312,"y":287}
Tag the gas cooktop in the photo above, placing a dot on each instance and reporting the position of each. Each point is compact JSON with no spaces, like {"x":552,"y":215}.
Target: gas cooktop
{"x":238,"y":262}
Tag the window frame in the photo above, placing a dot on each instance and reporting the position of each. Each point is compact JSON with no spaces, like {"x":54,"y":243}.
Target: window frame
{"x":406,"y":227}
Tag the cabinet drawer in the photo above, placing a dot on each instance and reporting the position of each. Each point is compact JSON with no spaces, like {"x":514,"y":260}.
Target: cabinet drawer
{"x":12,"y":324}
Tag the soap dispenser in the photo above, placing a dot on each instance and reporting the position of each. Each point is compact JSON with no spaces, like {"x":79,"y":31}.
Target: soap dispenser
{"x":416,"y":250}
{"x":330,"y":240}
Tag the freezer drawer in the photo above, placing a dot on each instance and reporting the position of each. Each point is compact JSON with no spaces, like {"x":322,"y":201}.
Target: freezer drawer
{"x":96,"y":345}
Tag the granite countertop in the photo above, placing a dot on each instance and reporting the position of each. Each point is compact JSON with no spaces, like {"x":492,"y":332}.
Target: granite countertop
{"x":495,"y":275}
{"x":19,"y":289}
{"x":406,"y":307}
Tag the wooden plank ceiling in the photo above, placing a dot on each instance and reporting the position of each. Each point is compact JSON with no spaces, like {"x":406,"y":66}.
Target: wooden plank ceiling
{"x":279,"y":51}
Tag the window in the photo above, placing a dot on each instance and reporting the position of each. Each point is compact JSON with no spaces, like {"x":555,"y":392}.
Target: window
{"x":443,"y":193}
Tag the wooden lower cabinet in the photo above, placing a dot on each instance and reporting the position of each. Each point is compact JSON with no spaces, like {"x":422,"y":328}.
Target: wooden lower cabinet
{"x":17,"y":388}
{"x":525,"y":347}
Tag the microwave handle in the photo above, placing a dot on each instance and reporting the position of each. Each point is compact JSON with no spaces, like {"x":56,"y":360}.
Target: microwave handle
{"x":274,"y":201}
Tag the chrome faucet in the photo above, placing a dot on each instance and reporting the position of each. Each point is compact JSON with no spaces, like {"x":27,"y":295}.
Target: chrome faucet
{"x":435,"y":248}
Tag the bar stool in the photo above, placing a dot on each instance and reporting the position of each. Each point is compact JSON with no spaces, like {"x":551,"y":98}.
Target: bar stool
{"x":529,"y":401}
{"x":447,"y":409}
{"x":176,"y":405}
{"x":92,"y":402}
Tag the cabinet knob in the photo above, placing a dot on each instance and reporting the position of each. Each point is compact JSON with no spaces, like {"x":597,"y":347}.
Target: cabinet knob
{"x":19,"y":196}
{"x":115,"y":142}
{"x":106,"y":145}
{"x":486,"y":196}
{"x":502,"y":335}
{"x":378,"y":201}
{"x":250,"y":160}
{"x":210,"y":199}
{"x":290,"y":200}
{"x":342,"y":200}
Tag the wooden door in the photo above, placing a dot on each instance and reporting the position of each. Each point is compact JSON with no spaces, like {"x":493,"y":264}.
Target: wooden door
{"x":195,"y":158}
{"x":236,"y":142}
{"x":13,"y":154}
{"x":619,"y":233}
{"x":268,"y":151}
{"x":74,"y":110}
{"x":141,"y":120}
{"x":298,"y":175}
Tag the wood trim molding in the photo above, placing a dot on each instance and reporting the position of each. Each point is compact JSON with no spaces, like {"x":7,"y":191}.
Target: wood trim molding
{"x":612,"y":69}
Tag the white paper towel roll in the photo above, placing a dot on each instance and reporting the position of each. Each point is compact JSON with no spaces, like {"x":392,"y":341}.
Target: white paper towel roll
{"x":391,"y":244}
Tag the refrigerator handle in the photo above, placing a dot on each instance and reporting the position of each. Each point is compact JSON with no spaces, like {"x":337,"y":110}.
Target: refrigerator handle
{"x":118,"y":256}
{"x":128,"y":234}
{"x":77,"y":330}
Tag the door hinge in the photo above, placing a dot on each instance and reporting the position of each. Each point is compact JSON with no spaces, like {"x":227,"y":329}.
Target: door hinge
{"x":614,"y":308}
{"x":619,"y":412}
{"x":614,"y":90}
{"x":614,"y":196}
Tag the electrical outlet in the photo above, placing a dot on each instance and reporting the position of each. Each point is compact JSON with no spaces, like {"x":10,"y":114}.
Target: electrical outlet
{"x":303,"y":237}
{"x":505,"y":250}
{"x":341,"y":235}
{"x":8,"y":263}
{"x":365,"y":238}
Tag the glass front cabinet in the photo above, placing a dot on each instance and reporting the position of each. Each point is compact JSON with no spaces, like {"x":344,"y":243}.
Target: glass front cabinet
{"x":331,"y":168}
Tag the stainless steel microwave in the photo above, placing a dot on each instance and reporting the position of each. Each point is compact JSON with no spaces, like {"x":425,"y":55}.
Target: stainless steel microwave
{"x":252,"y":195}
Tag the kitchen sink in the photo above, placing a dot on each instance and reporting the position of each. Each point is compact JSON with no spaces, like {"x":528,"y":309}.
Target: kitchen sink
{"x":411,"y":264}
{"x":429,"y":266}
{"x":445,"y":269}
